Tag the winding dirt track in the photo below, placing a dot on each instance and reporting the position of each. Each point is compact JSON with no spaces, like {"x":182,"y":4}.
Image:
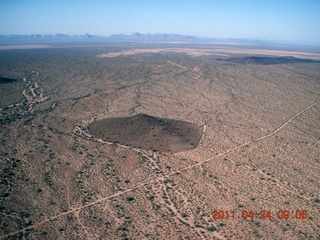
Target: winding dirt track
{"x":73,"y":210}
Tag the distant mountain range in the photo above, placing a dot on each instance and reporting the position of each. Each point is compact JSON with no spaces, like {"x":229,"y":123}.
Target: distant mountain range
{"x":163,"y":36}
{"x":38,"y":38}
{"x":134,"y":37}
{"x":15,"y":39}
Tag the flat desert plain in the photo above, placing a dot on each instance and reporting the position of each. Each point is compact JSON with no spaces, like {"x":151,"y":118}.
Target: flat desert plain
{"x":156,"y":141}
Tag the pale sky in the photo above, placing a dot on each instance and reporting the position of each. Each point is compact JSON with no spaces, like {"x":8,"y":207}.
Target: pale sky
{"x":295,"y":21}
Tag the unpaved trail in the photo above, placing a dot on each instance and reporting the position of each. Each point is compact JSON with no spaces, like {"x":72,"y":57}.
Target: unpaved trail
{"x":176,"y":64}
{"x":34,"y":92}
{"x":280,"y":185}
{"x":196,"y":70}
{"x":161,"y":179}
{"x":82,"y":226}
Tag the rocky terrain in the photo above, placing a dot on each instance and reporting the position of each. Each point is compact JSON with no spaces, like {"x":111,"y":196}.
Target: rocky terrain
{"x":73,"y":166}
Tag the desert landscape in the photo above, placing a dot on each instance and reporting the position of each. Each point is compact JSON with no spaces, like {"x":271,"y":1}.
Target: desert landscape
{"x":159,"y":141}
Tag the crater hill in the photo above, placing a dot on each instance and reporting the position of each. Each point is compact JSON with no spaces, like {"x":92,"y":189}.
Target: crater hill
{"x":268,"y":60}
{"x":148,"y":132}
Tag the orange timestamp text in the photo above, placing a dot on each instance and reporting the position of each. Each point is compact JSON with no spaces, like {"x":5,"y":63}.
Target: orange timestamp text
{"x":263,"y":214}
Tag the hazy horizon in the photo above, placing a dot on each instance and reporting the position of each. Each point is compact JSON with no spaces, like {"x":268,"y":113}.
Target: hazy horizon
{"x":277,"y":21}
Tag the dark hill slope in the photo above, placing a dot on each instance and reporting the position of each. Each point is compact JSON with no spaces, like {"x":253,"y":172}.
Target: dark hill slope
{"x":268,"y":60}
{"x":149,"y":133}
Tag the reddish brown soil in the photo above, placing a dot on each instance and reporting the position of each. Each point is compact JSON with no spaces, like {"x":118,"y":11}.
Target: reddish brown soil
{"x":149,"y":133}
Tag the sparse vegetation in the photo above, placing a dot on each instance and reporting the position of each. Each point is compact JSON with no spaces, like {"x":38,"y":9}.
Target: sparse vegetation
{"x":95,"y":146}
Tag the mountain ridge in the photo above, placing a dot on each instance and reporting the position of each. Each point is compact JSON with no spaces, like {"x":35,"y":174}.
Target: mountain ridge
{"x":134,"y":37}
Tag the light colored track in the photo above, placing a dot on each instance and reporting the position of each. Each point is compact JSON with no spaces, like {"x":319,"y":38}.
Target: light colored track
{"x":162,"y":178}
